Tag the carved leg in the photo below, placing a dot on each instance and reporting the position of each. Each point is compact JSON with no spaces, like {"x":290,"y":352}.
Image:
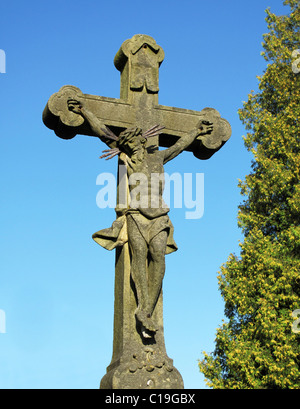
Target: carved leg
{"x":157,"y":267}
{"x":137,"y":362}
{"x":139,"y":256}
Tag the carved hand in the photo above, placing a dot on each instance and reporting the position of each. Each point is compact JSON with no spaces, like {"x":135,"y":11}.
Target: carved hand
{"x":75,"y":106}
{"x":205,"y":127}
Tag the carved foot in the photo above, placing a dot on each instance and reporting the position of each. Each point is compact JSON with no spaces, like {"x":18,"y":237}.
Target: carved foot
{"x":148,"y":327}
{"x":146,"y":333}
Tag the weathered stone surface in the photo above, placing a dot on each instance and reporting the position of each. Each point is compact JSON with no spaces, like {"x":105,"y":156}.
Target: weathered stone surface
{"x":138,"y":106}
{"x":138,"y":60}
{"x":137,"y":363}
{"x":141,"y":236}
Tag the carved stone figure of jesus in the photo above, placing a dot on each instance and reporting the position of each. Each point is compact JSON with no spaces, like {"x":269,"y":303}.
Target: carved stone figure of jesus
{"x":145,"y":224}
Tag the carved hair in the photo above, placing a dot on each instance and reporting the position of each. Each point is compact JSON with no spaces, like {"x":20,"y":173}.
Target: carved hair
{"x":123,"y":137}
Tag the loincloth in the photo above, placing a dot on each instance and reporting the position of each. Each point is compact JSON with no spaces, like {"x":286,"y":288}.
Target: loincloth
{"x":117,"y":234}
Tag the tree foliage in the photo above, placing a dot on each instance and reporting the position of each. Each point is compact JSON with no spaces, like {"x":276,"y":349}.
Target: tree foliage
{"x":256,"y":347}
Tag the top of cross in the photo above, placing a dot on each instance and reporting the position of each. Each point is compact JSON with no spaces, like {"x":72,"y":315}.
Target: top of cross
{"x":138,"y":60}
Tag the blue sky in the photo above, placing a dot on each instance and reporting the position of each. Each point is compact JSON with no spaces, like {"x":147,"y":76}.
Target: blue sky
{"x":56,"y":284}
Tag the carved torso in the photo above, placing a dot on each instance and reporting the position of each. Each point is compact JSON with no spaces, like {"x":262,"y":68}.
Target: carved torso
{"x":150,"y":183}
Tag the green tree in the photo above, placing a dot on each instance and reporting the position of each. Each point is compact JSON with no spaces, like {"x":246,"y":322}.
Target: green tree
{"x":256,"y":346}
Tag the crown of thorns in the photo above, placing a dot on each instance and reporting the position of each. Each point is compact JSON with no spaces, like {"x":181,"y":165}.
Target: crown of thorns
{"x":111,"y":153}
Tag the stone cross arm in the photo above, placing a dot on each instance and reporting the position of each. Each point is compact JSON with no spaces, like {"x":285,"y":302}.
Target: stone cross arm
{"x":118,"y":115}
{"x":138,"y":60}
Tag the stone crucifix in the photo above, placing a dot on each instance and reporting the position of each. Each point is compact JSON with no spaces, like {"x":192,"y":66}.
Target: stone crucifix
{"x":134,"y":127}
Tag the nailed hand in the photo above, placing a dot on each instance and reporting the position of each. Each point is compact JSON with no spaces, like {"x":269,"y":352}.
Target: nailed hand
{"x":75,"y":106}
{"x":206,"y":127}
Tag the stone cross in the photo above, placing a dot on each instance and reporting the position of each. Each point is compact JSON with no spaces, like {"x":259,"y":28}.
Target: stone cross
{"x":138,"y":362}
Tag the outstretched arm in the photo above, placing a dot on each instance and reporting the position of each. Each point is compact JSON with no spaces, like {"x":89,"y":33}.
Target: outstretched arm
{"x":97,"y":126}
{"x":204,"y":128}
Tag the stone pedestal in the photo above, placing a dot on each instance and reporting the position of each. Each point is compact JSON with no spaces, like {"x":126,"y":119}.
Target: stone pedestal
{"x":137,"y":362}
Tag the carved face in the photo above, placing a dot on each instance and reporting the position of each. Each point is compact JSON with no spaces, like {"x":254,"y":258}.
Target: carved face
{"x":130,"y":141}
